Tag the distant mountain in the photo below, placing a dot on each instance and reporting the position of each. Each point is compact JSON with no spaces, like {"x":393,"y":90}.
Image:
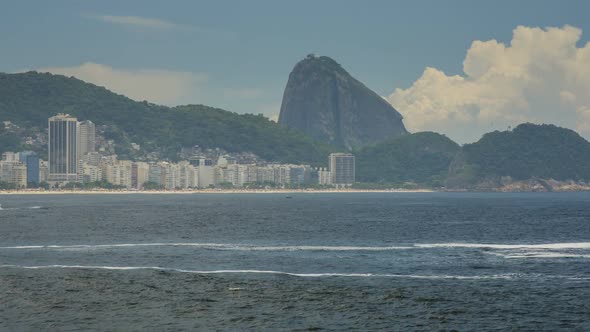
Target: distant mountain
{"x":529,"y":152}
{"x":325,"y":102}
{"x":420,"y":158}
{"x":29,"y":99}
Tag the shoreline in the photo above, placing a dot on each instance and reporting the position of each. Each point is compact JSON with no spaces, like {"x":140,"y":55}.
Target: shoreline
{"x":261,"y":191}
{"x":186,"y":192}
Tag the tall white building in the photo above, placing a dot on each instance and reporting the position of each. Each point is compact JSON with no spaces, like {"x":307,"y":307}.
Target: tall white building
{"x":155,"y":174}
{"x":19,"y":175}
{"x":140,"y":174}
{"x":90,"y":173}
{"x":86,"y":138}
{"x":43,"y":171}
{"x":63,"y":154}
{"x":342,"y":169}
{"x":14,"y":172}
{"x":206,"y":171}
{"x":118,"y":173}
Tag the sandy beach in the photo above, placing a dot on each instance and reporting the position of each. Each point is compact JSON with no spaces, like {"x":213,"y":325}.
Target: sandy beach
{"x":206,"y":191}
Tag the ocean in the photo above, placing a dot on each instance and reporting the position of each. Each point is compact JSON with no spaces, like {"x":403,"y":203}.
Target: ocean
{"x":312,"y":262}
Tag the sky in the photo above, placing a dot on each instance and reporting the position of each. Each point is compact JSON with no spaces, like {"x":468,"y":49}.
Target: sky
{"x":460,"y":68}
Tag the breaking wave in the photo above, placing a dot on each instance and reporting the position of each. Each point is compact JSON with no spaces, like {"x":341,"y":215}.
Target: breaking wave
{"x":215,"y":246}
{"x":245,"y":247}
{"x":549,"y":246}
{"x":28,"y":207}
{"x":303,"y":275}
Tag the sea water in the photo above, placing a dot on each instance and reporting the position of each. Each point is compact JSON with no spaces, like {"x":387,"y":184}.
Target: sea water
{"x":364,"y":261}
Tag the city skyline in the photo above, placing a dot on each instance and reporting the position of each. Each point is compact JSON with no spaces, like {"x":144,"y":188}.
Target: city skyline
{"x":73,"y":162}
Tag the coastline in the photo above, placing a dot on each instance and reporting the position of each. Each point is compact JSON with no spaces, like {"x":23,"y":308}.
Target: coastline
{"x":208,"y":191}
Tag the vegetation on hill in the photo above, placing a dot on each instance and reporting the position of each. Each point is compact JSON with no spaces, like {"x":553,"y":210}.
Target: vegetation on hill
{"x":8,"y":141}
{"x":29,"y":99}
{"x":420,"y":158}
{"x":528,"y":151}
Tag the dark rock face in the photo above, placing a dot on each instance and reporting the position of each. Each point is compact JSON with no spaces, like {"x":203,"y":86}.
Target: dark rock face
{"x":322,"y":100}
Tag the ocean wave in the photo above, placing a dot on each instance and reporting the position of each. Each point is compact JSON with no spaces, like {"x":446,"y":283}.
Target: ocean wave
{"x":540,"y":254}
{"x":20,"y":208}
{"x":271,"y":272}
{"x":253,"y":247}
{"x":215,"y":246}
{"x":548,"y":246}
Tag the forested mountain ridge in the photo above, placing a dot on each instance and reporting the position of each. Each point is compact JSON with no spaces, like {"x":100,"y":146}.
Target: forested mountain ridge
{"x":528,"y":151}
{"x":421,"y":158}
{"x":29,"y":99}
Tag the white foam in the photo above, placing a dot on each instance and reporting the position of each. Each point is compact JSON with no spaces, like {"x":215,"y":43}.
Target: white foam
{"x":247,"y":247}
{"x":216,"y":246}
{"x":30,"y":207}
{"x":303,"y":275}
{"x":554,"y":246}
{"x":541,"y":254}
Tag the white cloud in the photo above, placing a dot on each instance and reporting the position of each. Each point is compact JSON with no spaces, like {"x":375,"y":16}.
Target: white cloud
{"x":137,"y":21}
{"x":154,"y":85}
{"x":541,"y":77}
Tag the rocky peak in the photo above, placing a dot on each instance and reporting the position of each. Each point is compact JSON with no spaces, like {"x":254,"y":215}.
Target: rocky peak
{"x":324,"y":101}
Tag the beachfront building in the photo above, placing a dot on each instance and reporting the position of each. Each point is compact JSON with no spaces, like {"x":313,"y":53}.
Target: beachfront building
{"x":63,"y":155}
{"x":140,"y":173}
{"x":90,"y":173}
{"x":30,"y":159}
{"x":86,"y":138}
{"x":189,"y":175}
{"x":281,"y":175}
{"x":342,"y":169}
{"x":43,"y":171}
{"x":13,"y":172}
{"x":206,"y":171}
{"x":19,"y":175}
{"x":324,"y":177}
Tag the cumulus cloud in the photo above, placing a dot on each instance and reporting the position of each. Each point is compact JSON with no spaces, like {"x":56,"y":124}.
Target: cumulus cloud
{"x":138,"y":21}
{"x":154,"y":85}
{"x":542,"y":76}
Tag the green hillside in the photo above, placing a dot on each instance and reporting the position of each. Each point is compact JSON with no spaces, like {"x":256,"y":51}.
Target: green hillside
{"x":528,"y":151}
{"x":421,"y":158}
{"x":29,"y":99}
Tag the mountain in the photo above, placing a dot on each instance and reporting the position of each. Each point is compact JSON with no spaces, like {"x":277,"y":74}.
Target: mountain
{"x":538,"y":153}
{"x":420,"y":158}
{"x":29,"y":99}
{"x":324,"y":101}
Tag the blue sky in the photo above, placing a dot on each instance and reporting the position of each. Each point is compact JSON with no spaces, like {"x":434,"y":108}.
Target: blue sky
{"x":237,"y":54}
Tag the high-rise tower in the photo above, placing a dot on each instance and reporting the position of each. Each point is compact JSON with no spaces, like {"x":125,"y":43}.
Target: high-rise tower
{"x":342,"y":169}
{"x":63,"y":140}
{"x":86,"y":138}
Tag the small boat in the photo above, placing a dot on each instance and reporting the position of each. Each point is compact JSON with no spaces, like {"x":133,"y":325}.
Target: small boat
{"x":288,"y":196}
